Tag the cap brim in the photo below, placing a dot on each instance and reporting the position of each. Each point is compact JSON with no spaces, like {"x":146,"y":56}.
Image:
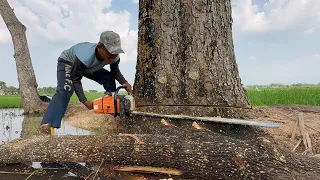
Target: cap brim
{"x":117,"y":51}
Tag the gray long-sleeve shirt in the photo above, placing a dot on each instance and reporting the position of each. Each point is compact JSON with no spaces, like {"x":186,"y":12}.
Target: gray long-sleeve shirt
{"x":84,"y":60}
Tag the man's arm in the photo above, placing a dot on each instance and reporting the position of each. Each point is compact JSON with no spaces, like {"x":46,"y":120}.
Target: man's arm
{"x":77,"y":72}
{"x":118,"y":75}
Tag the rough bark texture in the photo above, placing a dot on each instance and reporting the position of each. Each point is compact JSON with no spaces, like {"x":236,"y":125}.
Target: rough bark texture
{"x":186,"y":54}
{"x":27,"y":80}
{"x":200,"y":156}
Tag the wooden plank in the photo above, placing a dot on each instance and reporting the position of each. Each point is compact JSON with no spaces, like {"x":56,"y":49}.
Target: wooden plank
{"x":212,"y":119}
{"x":148,"y":169}
{"x":19,"y":173}
{"x":296,"y":146}
{"x":302,"y":130}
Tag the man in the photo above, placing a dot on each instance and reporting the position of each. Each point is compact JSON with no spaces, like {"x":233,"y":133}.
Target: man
{"x":84,"y":60}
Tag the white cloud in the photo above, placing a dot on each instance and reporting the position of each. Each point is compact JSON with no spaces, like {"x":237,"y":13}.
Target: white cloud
{"x":309,"y":31}
{"x":276,"y":15}
{"x":252,"y":58}
{"x":4,"y":36}
{"x":55,"y":25}
{"x":135,"y":1}
{"x":71,"y":21}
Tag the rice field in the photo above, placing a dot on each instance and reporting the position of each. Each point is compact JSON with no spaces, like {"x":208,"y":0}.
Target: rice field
{"x":258,"y":97}
{"x":297,"y":95}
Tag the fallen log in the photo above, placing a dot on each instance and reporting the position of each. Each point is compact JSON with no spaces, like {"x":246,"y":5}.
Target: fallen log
{"x":201,"y":155}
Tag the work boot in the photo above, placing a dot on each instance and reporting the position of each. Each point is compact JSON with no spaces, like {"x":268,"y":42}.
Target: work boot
{"x":44,"y":129}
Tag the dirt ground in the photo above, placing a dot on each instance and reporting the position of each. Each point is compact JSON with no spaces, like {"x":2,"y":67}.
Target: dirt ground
{"x":287,"y":116}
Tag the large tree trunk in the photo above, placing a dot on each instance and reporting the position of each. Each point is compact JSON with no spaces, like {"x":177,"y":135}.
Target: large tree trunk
{"x":200,"y":156}
{"x":186,"y":55}
{"x":27,"y":80}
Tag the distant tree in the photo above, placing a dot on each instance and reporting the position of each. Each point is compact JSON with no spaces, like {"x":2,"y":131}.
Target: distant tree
{"x":297,"y":85}
{"x":11,"y":90}
{"x":47,"y":90}
{"x":2,"y":85}
{"x":93,"y":91}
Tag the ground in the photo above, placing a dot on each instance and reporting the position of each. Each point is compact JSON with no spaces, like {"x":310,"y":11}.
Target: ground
{"x":287,"y":115}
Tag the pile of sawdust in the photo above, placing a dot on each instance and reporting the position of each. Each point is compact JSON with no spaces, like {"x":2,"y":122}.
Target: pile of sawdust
{"x":79,"y":116}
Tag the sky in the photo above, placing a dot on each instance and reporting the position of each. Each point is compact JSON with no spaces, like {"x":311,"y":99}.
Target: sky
{"x":276,"y":41}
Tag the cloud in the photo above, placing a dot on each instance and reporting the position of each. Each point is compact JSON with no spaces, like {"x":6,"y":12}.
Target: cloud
{"x":4,"y":36}
{"x":55,"y":25}
{"x":66,"y":22}
{"x":135,"y":1}
{"x":276,"y":15}
{"x":69,"y":20}
{"x":309,"y":31}
{"x":252,"y":58}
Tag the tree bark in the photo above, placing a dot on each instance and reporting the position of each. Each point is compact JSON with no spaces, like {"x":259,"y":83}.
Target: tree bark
{"x":27,"y":80}
{"x":199,"y":156}
{"x":186,"y":55}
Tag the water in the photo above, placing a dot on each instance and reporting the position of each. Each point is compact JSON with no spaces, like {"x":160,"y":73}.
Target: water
{"x":11,"y":126}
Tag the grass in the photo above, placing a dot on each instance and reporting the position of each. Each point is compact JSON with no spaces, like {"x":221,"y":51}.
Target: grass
{"x":14,"y":101}
{"x":10,"y":101}
{"x":290,"y":95}
{"x":261,"y":97}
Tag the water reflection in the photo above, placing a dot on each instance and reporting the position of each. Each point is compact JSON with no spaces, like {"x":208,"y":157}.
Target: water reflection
{"x":10,"y":124}
{"x":13,"y":125}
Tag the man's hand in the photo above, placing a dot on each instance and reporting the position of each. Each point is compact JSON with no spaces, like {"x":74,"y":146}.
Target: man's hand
{"x":129,"y":88}
{"x":88,"y":104}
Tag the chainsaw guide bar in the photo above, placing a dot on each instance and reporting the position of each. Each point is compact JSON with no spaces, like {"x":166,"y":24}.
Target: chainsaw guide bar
{"x":212,"y":119}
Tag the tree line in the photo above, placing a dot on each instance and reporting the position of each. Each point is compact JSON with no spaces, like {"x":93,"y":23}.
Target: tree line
{"x":11,"y":90}
{"x":8,"y":90}
{"x":279,"y":85}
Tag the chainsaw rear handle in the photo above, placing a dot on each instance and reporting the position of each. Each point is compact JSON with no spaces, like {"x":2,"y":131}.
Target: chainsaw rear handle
{"x":115,"y":99}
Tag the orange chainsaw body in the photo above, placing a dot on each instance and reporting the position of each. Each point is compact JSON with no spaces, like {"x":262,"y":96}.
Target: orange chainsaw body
{"x":105,"y":105}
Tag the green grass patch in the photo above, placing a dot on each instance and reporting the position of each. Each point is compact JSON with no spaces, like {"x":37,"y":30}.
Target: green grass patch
{"x":14,"y":101}
{"x":288,"y":95}
{"x":10,"y":101}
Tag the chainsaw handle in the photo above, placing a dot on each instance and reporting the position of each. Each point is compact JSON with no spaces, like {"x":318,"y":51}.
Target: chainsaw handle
{"x":115,"y":99}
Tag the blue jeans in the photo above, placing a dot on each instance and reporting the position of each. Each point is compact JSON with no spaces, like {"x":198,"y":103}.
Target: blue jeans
{"x":59,"y":102}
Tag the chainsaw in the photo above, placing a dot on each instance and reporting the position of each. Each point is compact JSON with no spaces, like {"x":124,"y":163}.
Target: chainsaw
{"x":116,"y":104}
{"x":124,"y":105}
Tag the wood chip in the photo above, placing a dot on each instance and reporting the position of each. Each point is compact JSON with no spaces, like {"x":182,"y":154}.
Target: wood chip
{"x":196,"y":126}
{"x":296,"y":146}
{"x":166,"y":123}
